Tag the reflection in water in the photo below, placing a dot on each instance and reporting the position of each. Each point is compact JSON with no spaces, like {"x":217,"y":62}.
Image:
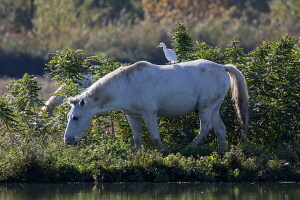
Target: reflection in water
{"x":148,"y":191}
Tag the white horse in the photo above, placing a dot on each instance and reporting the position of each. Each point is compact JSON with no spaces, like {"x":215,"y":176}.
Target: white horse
{"x":147,"y":91}
{"x":56,"y":100}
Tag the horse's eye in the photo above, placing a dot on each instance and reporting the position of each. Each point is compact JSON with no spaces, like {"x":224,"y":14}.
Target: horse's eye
{"x":74,"y":118}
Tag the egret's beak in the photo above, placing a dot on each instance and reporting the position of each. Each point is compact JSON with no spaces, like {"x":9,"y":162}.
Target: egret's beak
{"x":158,"y":46}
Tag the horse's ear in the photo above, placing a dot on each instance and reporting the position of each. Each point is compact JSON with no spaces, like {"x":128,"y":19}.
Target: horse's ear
{"x":81,"y":103}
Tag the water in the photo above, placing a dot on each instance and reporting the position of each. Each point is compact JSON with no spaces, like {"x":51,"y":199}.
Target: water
{"x":149,"y":191}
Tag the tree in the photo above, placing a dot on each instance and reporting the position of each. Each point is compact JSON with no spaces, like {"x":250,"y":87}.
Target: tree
{"x":7,"y":118}
{"x":182,"y":43}
{"x":67,"y":66}
{"x":273,"y":78}
{"x":23,"y":99}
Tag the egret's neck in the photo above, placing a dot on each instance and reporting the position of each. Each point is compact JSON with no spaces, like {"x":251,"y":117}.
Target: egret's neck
{"x":164,"y":47}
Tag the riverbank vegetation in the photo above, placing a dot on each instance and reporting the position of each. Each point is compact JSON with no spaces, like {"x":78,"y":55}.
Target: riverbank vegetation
{"x":31,"y":142}
{"x":131,"y":30}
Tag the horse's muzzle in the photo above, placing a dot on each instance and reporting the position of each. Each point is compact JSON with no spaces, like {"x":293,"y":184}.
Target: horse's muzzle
{"x":71,"y":140}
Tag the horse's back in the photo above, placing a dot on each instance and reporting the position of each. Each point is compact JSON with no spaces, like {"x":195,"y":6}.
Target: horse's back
{"x":196,"y":76}
{"x":179,"y":89}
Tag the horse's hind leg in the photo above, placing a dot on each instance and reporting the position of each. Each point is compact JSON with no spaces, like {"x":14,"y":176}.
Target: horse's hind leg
{"x":136,"y":126}
{"x":205,"y":126}
{"x":219,"y":128}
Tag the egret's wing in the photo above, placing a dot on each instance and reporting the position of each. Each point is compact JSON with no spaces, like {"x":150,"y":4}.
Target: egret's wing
{"x":170,"y":55}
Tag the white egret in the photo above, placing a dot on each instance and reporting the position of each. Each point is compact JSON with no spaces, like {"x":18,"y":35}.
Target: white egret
{"x":170,"y":55}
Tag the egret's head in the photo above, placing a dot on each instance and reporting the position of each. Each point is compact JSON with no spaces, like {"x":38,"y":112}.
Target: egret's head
{"x":161,"y":44}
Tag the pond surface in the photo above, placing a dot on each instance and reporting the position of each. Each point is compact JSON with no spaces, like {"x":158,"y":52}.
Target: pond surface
{"x":149,"y":191}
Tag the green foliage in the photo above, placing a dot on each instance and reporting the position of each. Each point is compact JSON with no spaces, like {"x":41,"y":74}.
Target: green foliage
{"x":67,"y":66}
{"x":112,"y":160}
{"x":24,"y":93}
{"x":8,"y":124}
{"x":179,"y":131}
{"x":104,"y":65}
{"x":182,"y":43}
{"x":205,"y":51}
{"x":23,"y":100}
{"x":274,"y":84}
{"x":234,"y":54}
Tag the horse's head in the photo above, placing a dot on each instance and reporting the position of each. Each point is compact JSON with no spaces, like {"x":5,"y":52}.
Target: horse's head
{"x":79,"y":121}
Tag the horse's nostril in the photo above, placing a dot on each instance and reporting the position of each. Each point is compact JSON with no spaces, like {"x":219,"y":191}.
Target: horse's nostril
{"x":71,"y":140}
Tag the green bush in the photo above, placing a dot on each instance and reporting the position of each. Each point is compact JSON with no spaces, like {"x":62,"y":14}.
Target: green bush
{"x":273,"y":78}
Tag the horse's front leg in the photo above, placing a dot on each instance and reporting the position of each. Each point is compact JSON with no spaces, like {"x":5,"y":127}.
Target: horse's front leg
{"x":152,"y":126}
{"x":136,"y":126}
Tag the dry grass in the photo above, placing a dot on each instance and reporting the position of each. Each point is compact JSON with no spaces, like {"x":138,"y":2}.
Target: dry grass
{"x":3,"y":81}
{"x":48,"y":86}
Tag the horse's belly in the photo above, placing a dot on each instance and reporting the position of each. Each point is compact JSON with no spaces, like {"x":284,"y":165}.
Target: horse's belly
{"x":173,"y":113}
{"x":176,"y":107}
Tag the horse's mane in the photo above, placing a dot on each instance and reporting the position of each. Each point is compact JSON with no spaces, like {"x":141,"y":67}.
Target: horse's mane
{"x":121,"y":73}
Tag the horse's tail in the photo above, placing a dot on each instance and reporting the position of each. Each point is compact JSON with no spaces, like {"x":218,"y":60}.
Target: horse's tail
{"x":239,"y":93}
{"x":52,"y":102}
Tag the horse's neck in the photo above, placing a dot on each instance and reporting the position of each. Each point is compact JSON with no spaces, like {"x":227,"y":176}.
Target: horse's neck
{"x":107,"y":98}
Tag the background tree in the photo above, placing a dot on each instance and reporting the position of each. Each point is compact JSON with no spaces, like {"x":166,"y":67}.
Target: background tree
{"x":54,"y":21}
{"x":15,"y":15}
{"x":165,"y":11}
{"x":30,"y":30}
